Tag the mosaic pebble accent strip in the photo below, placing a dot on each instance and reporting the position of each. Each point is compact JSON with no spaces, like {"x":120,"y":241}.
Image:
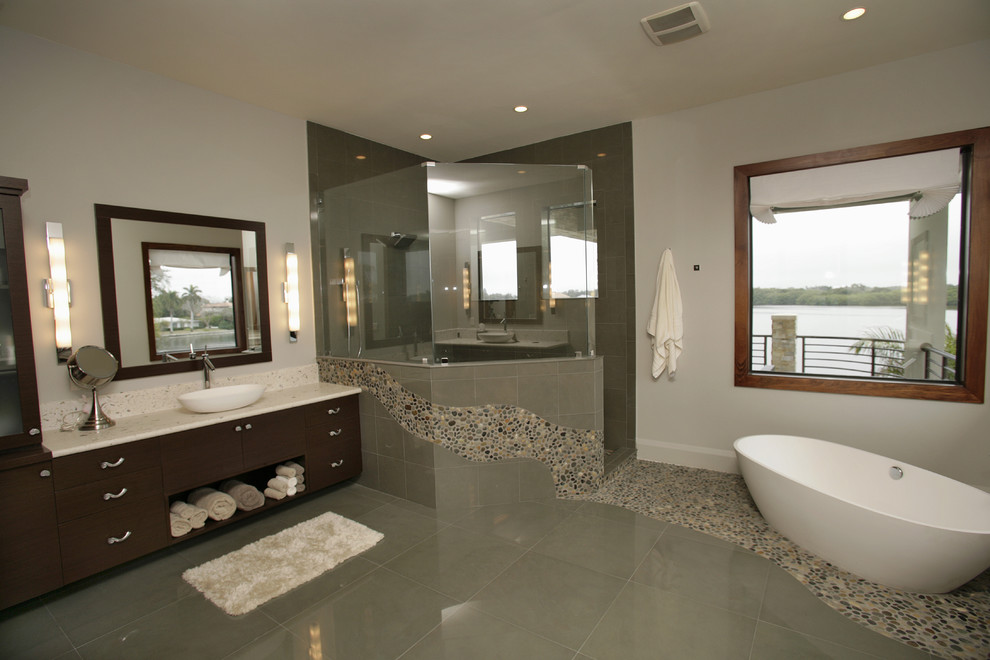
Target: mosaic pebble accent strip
{"x":142,"y":402}
{"x":483,"y":433}
{"x":952,"y":625}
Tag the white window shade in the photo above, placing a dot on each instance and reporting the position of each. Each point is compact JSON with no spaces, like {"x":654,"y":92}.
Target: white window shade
{"x":930,"y":179}
{"x":189,"y":259}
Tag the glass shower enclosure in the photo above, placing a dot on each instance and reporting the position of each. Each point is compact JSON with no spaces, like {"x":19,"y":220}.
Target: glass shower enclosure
{"x":457,"y":262}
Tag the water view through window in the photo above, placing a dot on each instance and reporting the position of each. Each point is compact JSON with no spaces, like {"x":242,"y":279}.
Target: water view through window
{"x":856,"y":291}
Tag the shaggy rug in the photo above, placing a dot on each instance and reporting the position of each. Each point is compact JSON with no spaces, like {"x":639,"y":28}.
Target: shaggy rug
{"x":242,"y":580}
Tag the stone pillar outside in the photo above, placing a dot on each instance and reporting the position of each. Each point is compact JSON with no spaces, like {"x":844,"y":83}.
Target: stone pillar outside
{"x":784,"y":337}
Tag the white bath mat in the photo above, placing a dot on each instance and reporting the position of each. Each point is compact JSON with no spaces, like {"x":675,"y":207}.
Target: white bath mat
{"x":242,"y":580}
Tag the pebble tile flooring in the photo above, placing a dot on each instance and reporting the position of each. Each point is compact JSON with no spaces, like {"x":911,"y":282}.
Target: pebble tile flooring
{"x":953,"y":625}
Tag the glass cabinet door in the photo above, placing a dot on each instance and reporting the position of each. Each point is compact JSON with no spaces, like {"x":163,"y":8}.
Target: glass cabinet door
{"x":19,"y":416}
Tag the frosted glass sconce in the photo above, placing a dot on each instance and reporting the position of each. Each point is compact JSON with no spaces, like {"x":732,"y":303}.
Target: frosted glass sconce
{"x":350,"y":290}
{"x":466,"y":287}
{"x":290,"y":289}
{"x":57,"y":290}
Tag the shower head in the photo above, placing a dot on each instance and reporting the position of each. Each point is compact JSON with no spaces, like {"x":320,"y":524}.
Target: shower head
{"x":401,"y":241}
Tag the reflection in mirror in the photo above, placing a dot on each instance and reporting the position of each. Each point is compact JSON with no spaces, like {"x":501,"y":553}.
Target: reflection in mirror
{"x":864,"y":271}
{"x":186,"y":301}
{"x":570,"y":252}
{"x":193,"y":296}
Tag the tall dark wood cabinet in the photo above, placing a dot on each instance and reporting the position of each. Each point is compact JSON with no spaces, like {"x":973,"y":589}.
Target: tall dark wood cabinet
{"x":29,"y":546}
{"x":20,"y":419}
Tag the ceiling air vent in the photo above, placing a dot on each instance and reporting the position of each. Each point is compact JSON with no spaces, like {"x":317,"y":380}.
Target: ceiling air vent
{"x":677,"y":24}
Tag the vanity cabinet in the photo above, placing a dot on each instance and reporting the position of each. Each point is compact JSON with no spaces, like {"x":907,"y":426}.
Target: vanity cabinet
{"x":80,"y":513}
{"x":207,"y":455}
{"x":111,"y":506}
{"x":333,"y":442}
{"x":20,"y":418}
{"x":30,"y":563}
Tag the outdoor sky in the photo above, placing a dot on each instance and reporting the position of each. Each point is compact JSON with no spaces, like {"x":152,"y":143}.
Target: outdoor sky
{"x":838,"y":247}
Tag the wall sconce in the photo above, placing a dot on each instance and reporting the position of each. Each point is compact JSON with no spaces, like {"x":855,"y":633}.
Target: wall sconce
{"x":350,"y":290}
{"x":290,"y":289}
{"x":466,"y":287}
{"x":57,"y":295}
{"x":553,"y":300}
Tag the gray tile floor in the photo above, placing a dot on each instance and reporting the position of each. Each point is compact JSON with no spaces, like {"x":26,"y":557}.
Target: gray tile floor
{"x":545,"y":580}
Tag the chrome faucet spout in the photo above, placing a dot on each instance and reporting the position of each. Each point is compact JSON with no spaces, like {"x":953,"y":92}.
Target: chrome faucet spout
{"x":207,"y":368}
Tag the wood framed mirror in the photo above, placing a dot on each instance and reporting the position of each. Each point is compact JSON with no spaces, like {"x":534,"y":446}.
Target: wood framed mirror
{"x":192,"y":246}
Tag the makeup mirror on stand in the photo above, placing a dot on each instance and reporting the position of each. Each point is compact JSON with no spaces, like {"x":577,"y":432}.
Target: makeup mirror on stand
{"x":90,"y":367}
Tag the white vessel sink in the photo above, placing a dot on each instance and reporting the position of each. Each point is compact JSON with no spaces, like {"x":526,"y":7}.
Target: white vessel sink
{"x":495,"y":336}
{"x":218,"y":399}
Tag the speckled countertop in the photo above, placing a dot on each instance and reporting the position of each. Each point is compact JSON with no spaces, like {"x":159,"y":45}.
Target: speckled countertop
{"x":139,"y":427}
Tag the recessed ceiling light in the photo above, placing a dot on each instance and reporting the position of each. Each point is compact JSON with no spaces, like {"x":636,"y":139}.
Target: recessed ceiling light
{"x":360,"y":157}
{"x":425,"y":136}
{"x":520,"y":171}
{"x":602,"y":154}
{"x":853,"y":14}
{"x":520,"y":108}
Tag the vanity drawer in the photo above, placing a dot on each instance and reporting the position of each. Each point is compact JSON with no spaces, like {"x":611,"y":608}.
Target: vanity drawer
{"x":332,"y":411}
{"x":107,"y":494}
{"x":86,"y":542}
{"x":95,"y":464}
{"x":330,"y":460}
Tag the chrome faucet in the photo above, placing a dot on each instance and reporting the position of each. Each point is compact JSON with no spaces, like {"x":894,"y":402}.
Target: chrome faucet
{"x":207,"y":368}
{"x":504,"y":323}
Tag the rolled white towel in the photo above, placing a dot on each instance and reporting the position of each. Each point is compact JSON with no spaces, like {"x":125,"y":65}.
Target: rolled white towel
{"x":219,"y":506}
{"x":274,"y":494}
{"x":248,"y":498}
{"x":194,"y":514}
{"x":295,"y":466}
{"x":300,"y":487}
{"x":282,"y":483}
{"x":178,"y":525}
{"x":285,"y":471}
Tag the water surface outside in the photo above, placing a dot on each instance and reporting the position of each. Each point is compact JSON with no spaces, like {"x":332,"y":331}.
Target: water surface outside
{"x":837,"y":321}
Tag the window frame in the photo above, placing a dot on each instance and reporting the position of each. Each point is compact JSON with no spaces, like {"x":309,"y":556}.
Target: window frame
{"x":974,"y":268}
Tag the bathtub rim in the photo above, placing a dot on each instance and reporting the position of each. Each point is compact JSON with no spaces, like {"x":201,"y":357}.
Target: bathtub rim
{"x":855,"y":450}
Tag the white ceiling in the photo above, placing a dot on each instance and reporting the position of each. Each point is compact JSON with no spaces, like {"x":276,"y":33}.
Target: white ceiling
{"x":390,"y":70}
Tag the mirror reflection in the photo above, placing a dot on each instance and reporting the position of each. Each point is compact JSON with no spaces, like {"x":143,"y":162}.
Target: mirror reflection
{"x":205,"y":293}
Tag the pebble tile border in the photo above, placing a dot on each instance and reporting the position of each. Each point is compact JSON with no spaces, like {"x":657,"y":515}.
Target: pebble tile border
{"x":952,"y":625}
{"x":482,"y":433}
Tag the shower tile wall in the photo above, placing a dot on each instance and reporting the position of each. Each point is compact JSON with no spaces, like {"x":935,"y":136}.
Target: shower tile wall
{"x":608,"y":152}
{"x":397,"y":462}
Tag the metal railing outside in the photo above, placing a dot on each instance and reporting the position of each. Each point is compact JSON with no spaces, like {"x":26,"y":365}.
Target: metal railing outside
{"x":832,"y":356}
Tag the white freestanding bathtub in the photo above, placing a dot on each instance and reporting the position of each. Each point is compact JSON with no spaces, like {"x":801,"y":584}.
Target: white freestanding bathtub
{"x":887,"y":521}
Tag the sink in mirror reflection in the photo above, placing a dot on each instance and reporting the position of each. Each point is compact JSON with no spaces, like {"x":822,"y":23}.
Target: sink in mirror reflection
{"x":218,"y":399}
{"x":496,"y":336}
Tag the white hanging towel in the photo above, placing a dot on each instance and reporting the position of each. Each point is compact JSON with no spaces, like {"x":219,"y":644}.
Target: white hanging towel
{"x":666,"y":326}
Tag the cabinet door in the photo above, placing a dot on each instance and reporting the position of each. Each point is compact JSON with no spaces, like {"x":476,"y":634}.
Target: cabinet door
{"x":202,"y":456}
{"x":273,"y":438}
{"x":20,"y":419}
{"x":29,"y":550}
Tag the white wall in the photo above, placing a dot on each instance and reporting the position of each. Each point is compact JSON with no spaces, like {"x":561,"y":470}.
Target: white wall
{"x":683,"y":200}
{"x":83,"y":129}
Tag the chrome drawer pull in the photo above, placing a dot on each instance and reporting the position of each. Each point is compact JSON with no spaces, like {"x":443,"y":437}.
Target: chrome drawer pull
{"x":247,"y":426}
{"x":335,"y":433}
{"x":111,"y":496}
{"x":45,"y":473}
{"x":333,"y":411}
{"x":114,"y":539}
{"x":238,"y":428}
{"x":337,"y":464}
{"x":104,"y":465}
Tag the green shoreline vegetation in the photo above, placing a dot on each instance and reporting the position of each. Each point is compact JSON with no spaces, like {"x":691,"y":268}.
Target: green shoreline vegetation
{"x":855,"y":295}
